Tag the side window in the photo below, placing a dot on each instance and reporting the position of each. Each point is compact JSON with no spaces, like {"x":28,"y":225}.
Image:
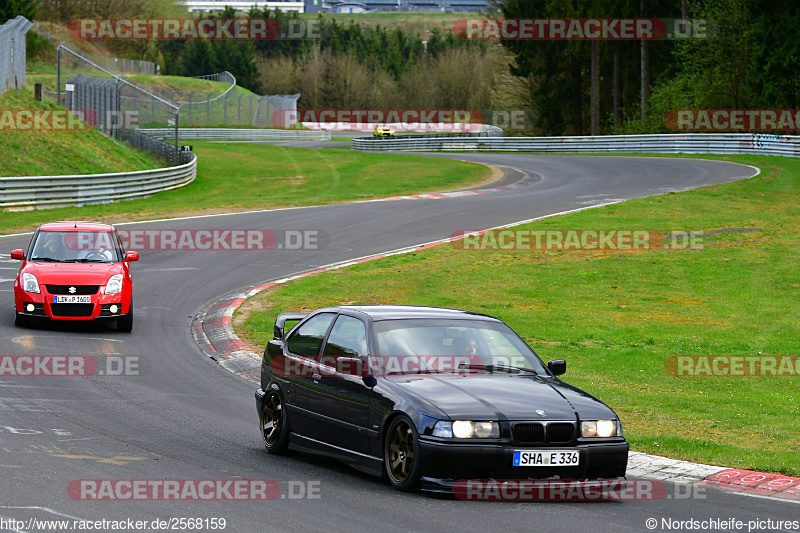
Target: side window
{"x":307,"y":339}
{"x":347,"y":338}
{"x":120,"y":247}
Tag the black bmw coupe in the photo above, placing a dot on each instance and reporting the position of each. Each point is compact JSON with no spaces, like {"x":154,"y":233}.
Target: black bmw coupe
{"x":428,"y":397}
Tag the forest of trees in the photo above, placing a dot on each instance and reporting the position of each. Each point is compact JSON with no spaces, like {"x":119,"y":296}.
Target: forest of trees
{"x":573,"y":87}
{"x":749,"y":64}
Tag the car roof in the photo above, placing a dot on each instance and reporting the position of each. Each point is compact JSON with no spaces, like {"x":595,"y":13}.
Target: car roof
{"x":394,"y":312}
{"x":75,"y":225}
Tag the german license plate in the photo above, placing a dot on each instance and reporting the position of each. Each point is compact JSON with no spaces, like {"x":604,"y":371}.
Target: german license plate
{"x":546,"y":458}
{"x":72,"y":299}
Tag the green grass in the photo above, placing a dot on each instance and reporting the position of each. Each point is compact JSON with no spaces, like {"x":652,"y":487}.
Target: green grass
{"x":212,"y":114}
{"x":51,"y":152}
{"x":237,"y":176}
{"x":617,"y":316}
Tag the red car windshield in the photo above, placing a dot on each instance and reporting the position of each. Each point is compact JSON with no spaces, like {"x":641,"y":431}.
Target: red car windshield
{"x":76,"y":247}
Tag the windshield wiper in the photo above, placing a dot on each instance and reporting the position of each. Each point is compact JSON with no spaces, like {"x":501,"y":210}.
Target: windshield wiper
{"x":85,"y":260}
{"x":500,"y":368}
{"x":47,"y":259}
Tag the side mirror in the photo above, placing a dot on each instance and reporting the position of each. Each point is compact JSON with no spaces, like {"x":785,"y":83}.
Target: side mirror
{"x":132,"y":256}
{"x":278,"y":331}
{"x":557,"y":366}
{"x":19,"y":255}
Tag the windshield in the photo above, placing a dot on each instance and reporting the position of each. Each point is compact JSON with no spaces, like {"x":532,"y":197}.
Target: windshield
{"x":76,"y":247}
{"x":470,"y":343}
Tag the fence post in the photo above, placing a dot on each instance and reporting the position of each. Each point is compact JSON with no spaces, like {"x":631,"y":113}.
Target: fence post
{"x":58,"y":76}
{"x":177,"y":119}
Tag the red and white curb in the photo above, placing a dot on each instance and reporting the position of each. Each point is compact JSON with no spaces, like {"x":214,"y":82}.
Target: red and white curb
{"x":746,"y":482}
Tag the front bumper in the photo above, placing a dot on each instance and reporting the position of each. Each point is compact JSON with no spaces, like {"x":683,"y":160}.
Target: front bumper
{"x":45,"y":307}
{"x":443,"y":464}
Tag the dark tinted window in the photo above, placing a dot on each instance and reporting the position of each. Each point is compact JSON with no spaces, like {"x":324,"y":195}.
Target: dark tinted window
{"x":307,"y":339}
{"x":492,"y":342}
{"x":348,"y":338}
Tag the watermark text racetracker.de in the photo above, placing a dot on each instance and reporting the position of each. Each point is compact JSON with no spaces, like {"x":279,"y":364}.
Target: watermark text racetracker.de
{"x":221,"y":239}
{"x":584,"y":29}
{"x":763,"y":120}
{"x":564,"y":490}
{"x":192,"y":490}
{"x":733,"y":365}
{"x":601,"y":240}
{"x":65,"y":119}
{"x":408,"y":120}
{"x":225,"y":29}
{"x":72,"y":366}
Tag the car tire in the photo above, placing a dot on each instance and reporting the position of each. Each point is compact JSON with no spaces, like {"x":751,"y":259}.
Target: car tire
{"x":125,"y":322}
{"x":274,"y":422}
{"x":22,"y":320}
{"x":401,"y":454}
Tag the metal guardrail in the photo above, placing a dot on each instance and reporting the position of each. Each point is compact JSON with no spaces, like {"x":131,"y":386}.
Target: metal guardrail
{"x":43,"y":192}
{"x":231,"y":134}
{"x":688,"y":143}
{"x":12,"y":53}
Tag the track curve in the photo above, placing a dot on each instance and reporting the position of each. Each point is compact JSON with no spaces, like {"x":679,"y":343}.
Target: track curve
{"x":185,"y":418}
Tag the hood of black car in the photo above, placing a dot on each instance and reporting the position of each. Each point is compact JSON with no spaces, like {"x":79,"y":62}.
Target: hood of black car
{"x":504,"y":396}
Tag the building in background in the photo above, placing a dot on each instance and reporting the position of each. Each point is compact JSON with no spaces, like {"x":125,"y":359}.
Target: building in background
{"x":243,"y":6}
{"x":348,"y":7}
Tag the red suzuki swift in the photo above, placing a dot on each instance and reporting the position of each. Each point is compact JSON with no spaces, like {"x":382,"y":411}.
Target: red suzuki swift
{"x":75,"y":271}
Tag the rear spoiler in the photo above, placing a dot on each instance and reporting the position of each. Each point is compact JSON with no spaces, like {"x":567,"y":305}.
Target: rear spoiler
{"x":277,"y":331}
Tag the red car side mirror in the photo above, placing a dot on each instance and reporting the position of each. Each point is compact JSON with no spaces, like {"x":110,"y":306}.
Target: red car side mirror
{"x":132,"y":256}
{"x":19,"y":255}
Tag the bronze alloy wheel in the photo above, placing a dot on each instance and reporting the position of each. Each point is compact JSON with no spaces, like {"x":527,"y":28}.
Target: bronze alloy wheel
{"x":273,"y":423}
{"x":400,"y":454}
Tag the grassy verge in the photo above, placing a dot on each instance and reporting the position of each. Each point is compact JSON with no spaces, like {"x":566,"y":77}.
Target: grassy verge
{"x":237,"y":176}
{"x":40,"y":152}
{"x":416,"y":22}
{"x":616,"y":317}
{"x":46,"y":73}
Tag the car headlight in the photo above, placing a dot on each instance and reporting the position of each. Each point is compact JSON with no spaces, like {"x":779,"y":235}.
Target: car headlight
{"x":30,"y":283}
{"x":599,"y":428}
{"x":466,"y":429}
{"x":114,"y":284}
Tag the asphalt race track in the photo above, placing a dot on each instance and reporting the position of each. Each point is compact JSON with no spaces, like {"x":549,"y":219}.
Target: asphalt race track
{"x":184,"y":417}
